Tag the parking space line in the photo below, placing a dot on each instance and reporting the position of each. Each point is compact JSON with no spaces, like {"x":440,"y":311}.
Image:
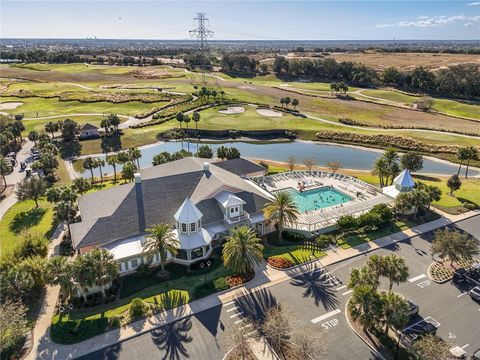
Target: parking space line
{"x":238,"y":321}
{"x":464,"y":346}
{"x":416,"y":278}
{"x":325,"y":316}
{"x":252,"y":332}
{"x":428,"y":319}
{"x":246,"y":326}
{"x":232,"y":309}
{"x":466,"y":292}
{"x":229,"y":303}
{"x":341,"y":287}
{"x":347,"y":292}
{"x":235,"y":315}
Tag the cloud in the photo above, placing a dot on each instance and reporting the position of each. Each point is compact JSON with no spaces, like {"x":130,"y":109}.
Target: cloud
{"x":467,"y":24}
{"x":432,"y":21}
{"x":477,"y":3}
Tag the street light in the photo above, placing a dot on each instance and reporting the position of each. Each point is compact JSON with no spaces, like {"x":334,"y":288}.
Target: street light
{"x":206,"y":265}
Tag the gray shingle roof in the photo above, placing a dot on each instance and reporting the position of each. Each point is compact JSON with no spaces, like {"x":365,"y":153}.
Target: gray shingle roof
{"x":240,"y":166}
{"x":117,"y":213}
{"x":88,"y":126}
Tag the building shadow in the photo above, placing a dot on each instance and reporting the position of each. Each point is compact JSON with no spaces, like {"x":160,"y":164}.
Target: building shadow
{"x":210,"y":318}
{"x":108,"y":353}
{"x":316,"y":285}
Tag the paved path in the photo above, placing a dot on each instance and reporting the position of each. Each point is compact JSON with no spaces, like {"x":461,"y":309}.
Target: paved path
{"x":265,"y":277}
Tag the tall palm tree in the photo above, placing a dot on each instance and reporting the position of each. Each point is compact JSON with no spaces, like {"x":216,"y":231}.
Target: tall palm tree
{"x":186,"y":120}
{"x":395,"y":269}
{"x":179,"y":118}
{"x":462,"y":155}
{"x":100,"y":164}
{"x":242,"y":250}
{"x":282,"y":101}
{"x":364,"y":276}
{"x":281,"y":210}
{"x":394,"y":311}
{"x":113,"y":161}
{"x":135,"y":154}
{"x":365,"y":306}
{"x":196,"y":119}
{"x":104,"y":267}
{"x":380,"y":169}
{"x":58,"y":271}
{"x":393,"y":168}
{"x":160,"y":239}
{"x":472,"y":154}
{"x":88,"y":164}
{"x":5,"y":168}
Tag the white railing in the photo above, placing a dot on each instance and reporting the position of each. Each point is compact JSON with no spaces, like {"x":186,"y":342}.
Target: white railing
{"x":235,"y":219}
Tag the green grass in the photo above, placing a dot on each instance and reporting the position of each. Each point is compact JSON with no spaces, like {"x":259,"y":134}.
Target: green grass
{"x":392,"y":96}
{"x":294,"y":253}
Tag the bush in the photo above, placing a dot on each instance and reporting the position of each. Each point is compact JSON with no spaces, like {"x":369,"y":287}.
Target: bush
{"x":220,"y":284}
{"x":293,"y":236}
{"x":263,"y":164}
{"x":347,"y":222}
{"x":279,"y":262}
{"x":114,"y":322}
{"x":138,"y":308}
{"x":210,"y":287}
{"x":143,"y":269}
{"x":74,"y":331}
{"x":31,"y":245}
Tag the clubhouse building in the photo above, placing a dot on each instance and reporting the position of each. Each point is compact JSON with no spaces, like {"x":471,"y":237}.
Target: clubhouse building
{"x":201,"y":201}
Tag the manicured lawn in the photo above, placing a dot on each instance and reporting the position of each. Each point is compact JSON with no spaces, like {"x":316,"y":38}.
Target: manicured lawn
{"x":294,"y":253}
{"x":392,"y":96}
{"x":458,"y":108}
{"x":23,"y":216}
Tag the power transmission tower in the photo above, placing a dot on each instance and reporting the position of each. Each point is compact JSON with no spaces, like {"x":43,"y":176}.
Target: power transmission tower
{"x":202,"y":33}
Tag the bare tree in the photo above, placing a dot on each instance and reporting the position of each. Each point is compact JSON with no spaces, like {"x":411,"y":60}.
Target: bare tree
{"x":309,"y":343}
{"x":276,"y":327}
{"x":334,"y":165}
{"x":291,"y":162}
{"x":310,"y":162}
{"x":238,"y":340}
{"x":431,"y":347}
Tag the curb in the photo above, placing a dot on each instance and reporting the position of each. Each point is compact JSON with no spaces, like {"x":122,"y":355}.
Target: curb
{"x":431,"y":277}
{"x":376,"y":352}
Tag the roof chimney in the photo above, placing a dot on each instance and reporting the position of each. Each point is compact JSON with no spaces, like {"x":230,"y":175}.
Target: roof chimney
{"x":138,"y":178}
{"x":206,"y":167}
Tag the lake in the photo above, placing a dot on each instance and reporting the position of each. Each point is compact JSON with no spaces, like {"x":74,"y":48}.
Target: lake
{"x":351,"y":158}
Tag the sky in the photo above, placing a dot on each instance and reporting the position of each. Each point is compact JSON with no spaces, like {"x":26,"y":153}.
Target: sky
{"x":243,"y":20}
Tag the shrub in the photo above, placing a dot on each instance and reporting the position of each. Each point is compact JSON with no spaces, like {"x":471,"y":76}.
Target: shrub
{"x":347,"y":222}
{"x":279,"y":262}
{"x":143,"y":269}
{"x":31,"y":245}
{"x":263,"y":164}
{"x":210,"y":287}
{"x":138,"y":308}
{"x":293,"y":236}
{"x":220,"y":284}
{"x":114,"y":322}
{"x":73,"y":331}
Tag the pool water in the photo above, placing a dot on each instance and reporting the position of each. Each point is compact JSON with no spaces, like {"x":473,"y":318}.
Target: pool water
{"x":319,"y":198}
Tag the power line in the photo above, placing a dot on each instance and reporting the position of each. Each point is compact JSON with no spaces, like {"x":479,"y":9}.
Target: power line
{"x":201,"y":33}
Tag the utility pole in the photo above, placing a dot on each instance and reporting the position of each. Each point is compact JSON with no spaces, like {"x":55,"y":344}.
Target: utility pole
{"x":202,"y":33}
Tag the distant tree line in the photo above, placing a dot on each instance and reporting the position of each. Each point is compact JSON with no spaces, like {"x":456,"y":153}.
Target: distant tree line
{"x":455,"y":81}
{"x":238,"y":63}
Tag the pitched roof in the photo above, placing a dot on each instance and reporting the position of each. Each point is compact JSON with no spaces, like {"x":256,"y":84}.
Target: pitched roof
{"x":240,"y":166}
{"x":404,"y":179}
{"x":127,"y":210}
{"x":88,"y":126}
{"x":227,"y":199}
{"x":187,"y":212}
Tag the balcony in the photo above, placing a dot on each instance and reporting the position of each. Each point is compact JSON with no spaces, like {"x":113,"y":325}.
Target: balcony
{"x":236,"y":219}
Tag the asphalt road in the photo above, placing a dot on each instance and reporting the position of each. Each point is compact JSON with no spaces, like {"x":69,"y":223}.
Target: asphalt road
{"x":317,"y":297}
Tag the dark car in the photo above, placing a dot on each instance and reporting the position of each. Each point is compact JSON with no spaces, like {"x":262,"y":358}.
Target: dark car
{"x":475,"y":293}
{"x":459,"y":276}
{"x":413,"y":308}
{"x":413,"y":332}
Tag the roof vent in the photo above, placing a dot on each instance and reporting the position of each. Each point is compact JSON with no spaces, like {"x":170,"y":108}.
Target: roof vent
{"x":206,"y":167}
{"x":138,"y":178}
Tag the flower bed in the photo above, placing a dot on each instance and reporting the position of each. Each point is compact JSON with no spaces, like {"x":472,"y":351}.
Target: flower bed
{"x":278,"y":262}
{"x":236,"y":280}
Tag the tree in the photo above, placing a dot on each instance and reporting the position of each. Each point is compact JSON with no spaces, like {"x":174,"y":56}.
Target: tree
{"x":204,"y":152}
{"x":333,"y":87}
{"x":291,"y":162}
{"x":196,"y":119}
{"x":395,"y":269}
{"x":239,"y":341}
{"x":365,"y":276}
{"x":334,"y":165}
{"x":287,"y":101}
{"x":295,"y":104}
{"x":395,"y":311}
{"x":161,"y":158}
{"x":65,"y":211}
{"x":454,"y":245}
{"x":70,"y":130}
{"x":100,"y":163}
{"x":81,"y":185}
{"x":365,"y":306}
{"x":462,"y":155}
{"x":13,"y":326}
{"x":112,"y":160}
{"x":282,"y":101}
{"x":114,"y":121}
{"x":232,"y":153}
{"x":123,"y":157}
{"x":5,"y":169}
{"x":31,"y":245}
{"x":310,"y":342}
{"x":89,"y":164}
{"x":380,"y":169}
{"x":431,"y":347}
{"x":135,"y":154}
{"x":31,"y":188}
{"x":454,"y":183}
{"x":51,"y":127}
{"x":59,"y":271}
{"x":16,"y":128}
{"x":281,"y":210}
{"x":242,"y":250}
{"x":48,"y":162}
{"x":128,"y":171}
{"x":387,"y":167}
{"x":472,"y":154}
{"x":309,"y":162}
{"x":159,"y":240}
{"x":347,"y":223}
{"x":33,"y":136}
{"x":105,"y":268}
{"x":433,"y":192}
{"x":105,"y":123}
{"x":276,"y":327}
{"x":222,"y":152}
{"x":412,"y":161}
{"x":179,"y":118}
{"x":186,"y":120}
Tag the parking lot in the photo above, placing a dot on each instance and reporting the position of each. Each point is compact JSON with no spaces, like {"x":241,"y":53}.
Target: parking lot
{"x":318,"y":297}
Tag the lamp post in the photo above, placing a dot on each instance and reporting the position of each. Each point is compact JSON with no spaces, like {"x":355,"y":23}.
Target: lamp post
{"x":205,"y":265}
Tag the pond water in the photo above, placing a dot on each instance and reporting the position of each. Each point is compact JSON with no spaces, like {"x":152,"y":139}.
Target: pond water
{"x":351,"y":158}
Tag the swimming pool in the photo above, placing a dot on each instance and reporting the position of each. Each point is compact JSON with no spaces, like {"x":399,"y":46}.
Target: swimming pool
{"x":319,"y":198}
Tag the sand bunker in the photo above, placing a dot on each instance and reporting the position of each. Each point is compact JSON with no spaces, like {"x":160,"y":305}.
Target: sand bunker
{"x":232,"y":110}
{"x":10,"y":105}
{"x":269,"y":112}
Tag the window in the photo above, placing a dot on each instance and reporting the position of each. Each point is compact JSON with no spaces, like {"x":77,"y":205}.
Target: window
{"x":232,"y":210}
{"x":134,"y":263}
{"x":236,"y":208}
{"x":157,"y":257}
{"x":181,"y":254}
{"x":125,"y":265}
{"x":184,"y":228}
{"x":197,"y":253}
{"x":192,"y":227}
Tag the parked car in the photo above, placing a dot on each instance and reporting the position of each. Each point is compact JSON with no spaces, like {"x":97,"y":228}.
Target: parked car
{"x":476,"y":355}
{"x":459,"y":276}
{"x":12,"y":154}
{"x":412,"y":333}
{"x":413,"y":309}
{"x":475,"y":293}
{"x":470,"y":276}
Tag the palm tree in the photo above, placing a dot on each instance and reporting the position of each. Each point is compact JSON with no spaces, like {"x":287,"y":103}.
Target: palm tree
{"x":88,"y":164}
{"x":281,"y":210}
{"x":160,"y":239}
{"x":196,"y":119}
{"x":51,"y":127}
{"x":365,"y":306}
{"x":66,"y":211}
{"x":462,"y":155}
{"x":380,"y":169}
{"x":395,"y":269}
{"x":113,"y":161}
{"x":472,"y":153}
{"x":391,"y":159}
{"x":295,"y":104}
{"x":135,"y":154}
{"x":287,"y":101}
{"x":282,"y":101}
{"x":394,"y":311}
{"x":5,"y":168}
{"x":100,"y":163}
{"x":242,"y":250}
{"x":105,"y":268}
{"x":58,"y":271}
{"x":365,"y":276}
{"x":186,"y":119}
{"x":179,"y":118}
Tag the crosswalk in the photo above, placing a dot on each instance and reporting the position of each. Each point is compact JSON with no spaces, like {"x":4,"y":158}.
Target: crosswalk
{"x":324,"y":277}
{"x":236,"y":314}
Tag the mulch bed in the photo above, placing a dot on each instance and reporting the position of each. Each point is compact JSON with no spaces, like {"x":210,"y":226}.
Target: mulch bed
{"x":442,"y":271}
{"x":235,"y":280}
{"x":279,"y":262}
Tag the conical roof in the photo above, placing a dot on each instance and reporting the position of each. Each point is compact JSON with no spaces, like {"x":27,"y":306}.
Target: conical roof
{"x":188,"y":212}
{"x":404,"y":179}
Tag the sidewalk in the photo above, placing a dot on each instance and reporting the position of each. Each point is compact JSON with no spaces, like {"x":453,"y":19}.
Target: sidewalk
{"x":265,"y":277}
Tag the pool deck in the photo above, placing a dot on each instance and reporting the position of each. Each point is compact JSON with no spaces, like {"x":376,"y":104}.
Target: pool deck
{"x":364,"y":196}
